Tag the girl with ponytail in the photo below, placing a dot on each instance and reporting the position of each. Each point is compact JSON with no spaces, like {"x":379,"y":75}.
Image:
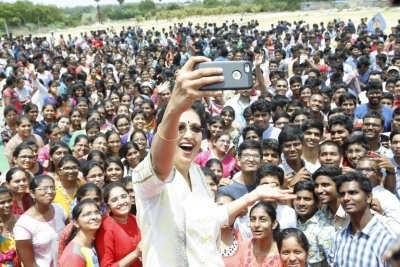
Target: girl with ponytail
{"x":80,"y":251}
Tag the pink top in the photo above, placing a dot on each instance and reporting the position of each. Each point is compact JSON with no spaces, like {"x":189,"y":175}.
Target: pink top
{"x":246,"y":248}
{"x":44,"y":154}
{"x":228,"y":163}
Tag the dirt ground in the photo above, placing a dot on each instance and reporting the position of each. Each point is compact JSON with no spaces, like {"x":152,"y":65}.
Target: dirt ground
{"x":265,"y":20}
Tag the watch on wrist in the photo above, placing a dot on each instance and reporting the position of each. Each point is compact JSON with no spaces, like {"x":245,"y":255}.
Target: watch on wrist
{"x":395,"y":171}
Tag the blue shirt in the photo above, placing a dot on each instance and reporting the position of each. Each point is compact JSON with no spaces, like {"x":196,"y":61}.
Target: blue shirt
{"x":363,"y":249}
{"x":221,"y":59}
{"x":236,"y":190}
{"x":352,"y":62}
{"x":361,"y":110}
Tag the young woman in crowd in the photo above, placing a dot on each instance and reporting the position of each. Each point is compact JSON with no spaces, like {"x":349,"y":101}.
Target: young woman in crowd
{"x":80,"y":250}
{"x":114,"y":143}
{"x":76,"y":119}
{"x":262,"y":250}
{"x":118,"y":239}
{"x":42,"y":223}
{"x":293,"y":247}
{"x":127,"y":182}
{"x":114,"y":170}
{"x":32,"y":111}
{"x":52,"y":133}
{"x":62,"y":105}
{"x":228,"y":114}
{"x":130,"y":152}
{"x":24,"y":128}
{"x":68,"y":171}
{"x":109,"y":114}
{"x":36,"y":167}
{"x":221,"y":144}
{"x":17,"y":181}
{"x":57,"y":151}
{"x":82,"y":104}
{"x":10,"y":128}
{"x":49,"y":114}
{"x":64,"y":123}
{"x":139,"y":137}
{"x":215,"y":125}
{"x":81,"y":146}
{"x":93,"y":172}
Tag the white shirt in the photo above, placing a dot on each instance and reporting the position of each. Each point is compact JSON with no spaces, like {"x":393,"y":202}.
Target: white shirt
{"x":239,"y":107}
{"x":44,"y":235}
{"x":179,"y":227}
{"x":389,"y":203}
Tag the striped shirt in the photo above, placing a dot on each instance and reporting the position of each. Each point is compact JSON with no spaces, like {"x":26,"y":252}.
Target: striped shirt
{"x":364,"y":249}
{"x":319,"y":232}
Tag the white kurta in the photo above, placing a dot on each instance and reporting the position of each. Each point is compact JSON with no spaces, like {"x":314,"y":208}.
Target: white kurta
{"x":179,"y":227}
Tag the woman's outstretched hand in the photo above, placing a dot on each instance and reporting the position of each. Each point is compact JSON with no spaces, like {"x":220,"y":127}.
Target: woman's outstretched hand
{"x":268,"y":192}
{"x":189,"y":81}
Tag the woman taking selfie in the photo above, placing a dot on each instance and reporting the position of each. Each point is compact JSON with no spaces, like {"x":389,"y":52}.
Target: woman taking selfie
{"x":177,"y":186}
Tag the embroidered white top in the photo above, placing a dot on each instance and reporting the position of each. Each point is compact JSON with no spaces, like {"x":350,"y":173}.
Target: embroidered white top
{"x":179,"y":226}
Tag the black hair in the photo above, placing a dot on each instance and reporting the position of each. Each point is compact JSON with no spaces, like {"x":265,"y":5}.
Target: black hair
{"x":49,"y":128}
{"x":281,"y":114}
{"x":8,"y":109}
{"x":80,"y":137}
{"x":208,"y":172}
{"x":249,"y":144}
{"x":292,"y":232}
{"x":75,"y":214}
{"x":394,"y":132}
{"x":86,"y":188}
{"x":306,"y":185}
{"x":252,"y":127}
{"x":67,"y":158}
{"x":327,"y":170}
{"x":54,"y":147}
{"x":374,"y":115}
{"x":19,"y":148}
{"x":363,"y":181}
{"x":343,"y":120}
{"x":260,"y":105}
{"x":214,"y":120}
{"x":312,"y":123}
{"x":5,"y":190}
{"x":346,"y":96}
{"x":115,"y":160}
{"x":111,"y":186}
{"x":290,"y":132}
{"x":211,"y":162}
{"x":89,"y":166}
{"x":37,"y":180}
{"x":359,"y":140}
{"x":278,"y":101}
{"x":299,"y":111}
{"x":269,"y":170}
{"x":11,"y":172}
{"x":330,"y":143}
{"x":270,"y":210}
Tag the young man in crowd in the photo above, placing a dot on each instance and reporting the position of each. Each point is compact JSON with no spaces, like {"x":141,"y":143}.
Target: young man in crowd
{"x":313,"y":223}
{"x":373,"y":236}
{"x":373,"y":126}
{"x":325,"y":188}
{"x":249,"y":159}
{"x":374,"y":93}
{"x":384,"y":203}
{"x":313,"y":132}
{"x":261,"y":111}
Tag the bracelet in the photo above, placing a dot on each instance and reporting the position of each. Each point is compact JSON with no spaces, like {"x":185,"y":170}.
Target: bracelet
{"x":395,"y":171}
{"x":166,"y":139}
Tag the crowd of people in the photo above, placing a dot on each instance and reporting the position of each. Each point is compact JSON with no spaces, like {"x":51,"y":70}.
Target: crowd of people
{"x":116,"y":158}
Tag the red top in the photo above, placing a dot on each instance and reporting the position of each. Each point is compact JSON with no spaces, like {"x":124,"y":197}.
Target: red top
{"x":27,"y":202}
{"x":237,"y":257}
{"x":115,"y":240}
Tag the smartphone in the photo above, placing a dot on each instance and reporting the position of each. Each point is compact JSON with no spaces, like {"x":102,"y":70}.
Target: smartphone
{"x":238,"y":75}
